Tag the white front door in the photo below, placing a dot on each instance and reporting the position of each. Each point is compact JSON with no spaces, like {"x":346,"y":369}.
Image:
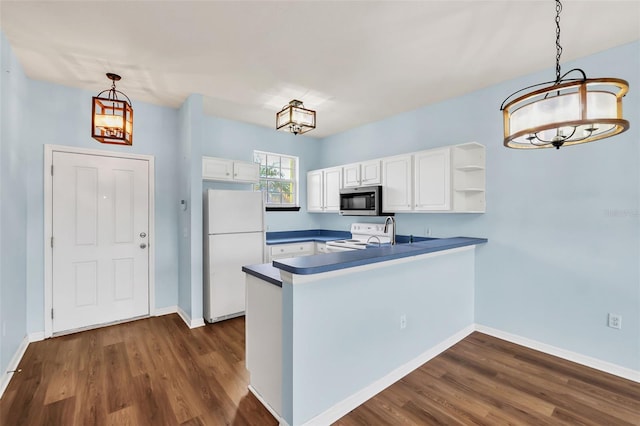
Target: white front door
{"x":100,"y":236}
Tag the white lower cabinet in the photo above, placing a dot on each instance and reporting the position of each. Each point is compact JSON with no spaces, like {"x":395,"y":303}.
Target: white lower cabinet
{"x":321,"y":248}
{"x":282,"y":251}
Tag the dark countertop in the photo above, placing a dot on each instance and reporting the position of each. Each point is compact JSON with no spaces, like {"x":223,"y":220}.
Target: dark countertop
{"x":321,"y":235}
{"x":265,"y":271}
{"x":308,"y":265}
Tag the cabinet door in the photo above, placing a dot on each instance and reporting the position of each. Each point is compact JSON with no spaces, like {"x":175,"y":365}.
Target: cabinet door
{"x":321,"y":248}
{"x":314,"y":191}
{"x":246,"y":172}
{"x":284,"y":251}
{"x":397,"y":184}
{"x":217,"y":168}
{"x":351,"y":175}
{"x":332,"y":182}
{"x":432,"y":185}
{"x":370,"y":173}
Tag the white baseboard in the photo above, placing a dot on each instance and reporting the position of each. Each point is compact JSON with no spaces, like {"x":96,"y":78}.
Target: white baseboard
{"x":607,"y":367}
{"x":158,"y":312}
{"x":273,"y":412}
{"x":191,"y":323}
{"x":343,"y":407}
{"x":13,"y":364}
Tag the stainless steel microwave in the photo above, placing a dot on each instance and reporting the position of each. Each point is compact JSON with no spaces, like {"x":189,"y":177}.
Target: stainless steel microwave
{"x":361,"y":201}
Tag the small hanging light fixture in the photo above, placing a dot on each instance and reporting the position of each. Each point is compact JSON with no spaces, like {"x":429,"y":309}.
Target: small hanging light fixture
{"x":112,"y":118}
{"x":295,"y":118}
{"x":567,"y":111}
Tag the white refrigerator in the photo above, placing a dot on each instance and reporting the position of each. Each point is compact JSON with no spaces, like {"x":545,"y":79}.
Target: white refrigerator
{"x":234,"y":237}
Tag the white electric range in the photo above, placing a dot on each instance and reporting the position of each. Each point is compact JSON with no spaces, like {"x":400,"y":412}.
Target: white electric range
{"x":363,"y":235}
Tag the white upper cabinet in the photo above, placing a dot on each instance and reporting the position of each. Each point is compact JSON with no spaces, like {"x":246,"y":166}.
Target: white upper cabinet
{"x":447,"y":179}
{"x":323,"y":190}
{"x":397,"y":185}
{"x":351,"y":175}
{"x":217,"y":168}
{"x":315,"y":201}
{"x":246,"y":172}
{"x":370,"y":173}
{"x":432,"y":180}
{"x":223,"y":169}
{"x":469,"y":178}
{"x":332,"y":185}
{"x":366,"y":173}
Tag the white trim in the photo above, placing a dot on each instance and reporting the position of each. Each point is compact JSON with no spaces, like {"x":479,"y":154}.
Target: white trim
{"x":13,"y":365}
{"x":48,"y":213}
{"x":269,"y":408}
{"x":607,"y":367}
{"x":165,"y":311}
{"x":302,"y":279}
{"x":191,"y":323}
{"x":343,"y":407}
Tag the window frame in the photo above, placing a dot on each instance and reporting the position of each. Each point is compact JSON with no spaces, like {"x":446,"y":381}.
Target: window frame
{"x":295,"y":181}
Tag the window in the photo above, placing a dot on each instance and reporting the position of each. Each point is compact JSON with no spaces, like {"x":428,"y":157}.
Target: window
{"x":278,"y":179}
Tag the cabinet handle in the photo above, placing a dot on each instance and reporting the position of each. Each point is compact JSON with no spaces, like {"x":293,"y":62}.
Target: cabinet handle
{"x":281,"y":250}
{"x":235,"y":174}
{"x":227,"y":173}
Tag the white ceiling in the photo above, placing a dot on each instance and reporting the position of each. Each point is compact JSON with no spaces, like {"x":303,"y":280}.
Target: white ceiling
{"x":354,"y":62}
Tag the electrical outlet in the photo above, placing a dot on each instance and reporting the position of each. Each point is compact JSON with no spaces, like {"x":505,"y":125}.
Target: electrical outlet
{"x":615,"y":321}
{"x":403,"y":321}
{"x":428,"y":232}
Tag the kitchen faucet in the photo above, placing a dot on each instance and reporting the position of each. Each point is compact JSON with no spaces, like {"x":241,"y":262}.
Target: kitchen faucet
{"x":393,"y":229}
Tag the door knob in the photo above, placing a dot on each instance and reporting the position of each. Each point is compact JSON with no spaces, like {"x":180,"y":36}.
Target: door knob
{"x":142,"y":235}
{"x":143,"y":245}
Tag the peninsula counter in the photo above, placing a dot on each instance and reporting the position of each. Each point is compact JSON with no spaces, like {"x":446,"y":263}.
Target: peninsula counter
{"x":325,"y":333}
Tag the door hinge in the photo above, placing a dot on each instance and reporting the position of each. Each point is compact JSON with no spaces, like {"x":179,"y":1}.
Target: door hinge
{"x":51,"y":313}
{"x":51,"y":242}
{"x":52,"y":170}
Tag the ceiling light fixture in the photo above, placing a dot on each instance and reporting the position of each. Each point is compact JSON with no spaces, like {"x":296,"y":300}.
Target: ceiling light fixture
{"x":567,"y":111}
{"x":112,"y":118}
{"x":295,"y":118}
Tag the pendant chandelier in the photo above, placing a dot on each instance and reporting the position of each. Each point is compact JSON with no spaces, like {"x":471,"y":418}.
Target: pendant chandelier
{"x":295,"y":118}
{"x":566,"y":111}
{"x":112,"y":118}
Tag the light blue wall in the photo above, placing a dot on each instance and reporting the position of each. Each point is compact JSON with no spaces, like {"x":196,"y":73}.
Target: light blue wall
{"x":341,"y":334}
{"x":230,"y":139}
{"x":64,"y":118}
{"x":13,"y":217}
{"x":563,"y":226}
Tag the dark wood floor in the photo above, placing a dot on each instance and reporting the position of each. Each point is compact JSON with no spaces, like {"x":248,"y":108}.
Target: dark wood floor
{"x":158,"y":372}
